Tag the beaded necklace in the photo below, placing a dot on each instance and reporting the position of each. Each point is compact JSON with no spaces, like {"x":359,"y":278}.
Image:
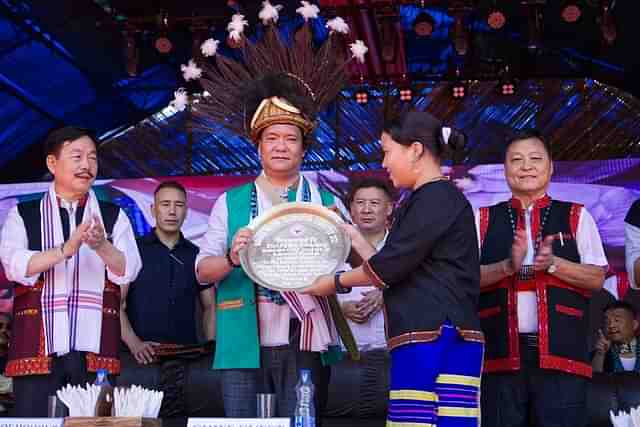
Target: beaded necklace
{"x":538,"y":240}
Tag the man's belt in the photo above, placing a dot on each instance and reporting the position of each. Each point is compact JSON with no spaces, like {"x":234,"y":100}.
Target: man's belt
{"x":171,"y":351}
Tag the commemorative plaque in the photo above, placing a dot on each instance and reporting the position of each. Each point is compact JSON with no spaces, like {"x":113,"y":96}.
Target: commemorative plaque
{"x":293,"y":244}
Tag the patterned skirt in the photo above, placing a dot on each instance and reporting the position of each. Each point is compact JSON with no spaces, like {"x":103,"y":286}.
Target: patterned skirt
{"x":436,"y":383}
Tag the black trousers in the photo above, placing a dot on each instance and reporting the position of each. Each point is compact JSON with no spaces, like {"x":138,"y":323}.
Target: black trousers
{"x":547,"y":397}
{"x":32,"y":391}
{"x":278,"y":374}
{"x":191,"y":388}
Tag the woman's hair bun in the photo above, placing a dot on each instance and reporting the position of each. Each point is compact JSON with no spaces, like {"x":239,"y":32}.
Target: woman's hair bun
{"x":452,"y":143}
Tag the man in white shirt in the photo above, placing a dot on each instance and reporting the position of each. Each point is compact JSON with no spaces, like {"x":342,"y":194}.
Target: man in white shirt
{"x":263,"y":336}
{"x":632,"y":243}
{"x":617,"y":284}
{"x":617,"y":348}
{"x":272,"y":97}
{"x":68,"y":254}
{"x":540,"y":260}
{"x":370,"y":205}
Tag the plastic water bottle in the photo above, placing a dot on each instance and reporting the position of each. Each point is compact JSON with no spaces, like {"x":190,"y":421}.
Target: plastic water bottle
{"x":104,"y":404}
{"x":305,"y":413}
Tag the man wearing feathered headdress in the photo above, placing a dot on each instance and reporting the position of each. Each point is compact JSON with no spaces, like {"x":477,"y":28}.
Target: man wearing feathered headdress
{"x":263,"y":336}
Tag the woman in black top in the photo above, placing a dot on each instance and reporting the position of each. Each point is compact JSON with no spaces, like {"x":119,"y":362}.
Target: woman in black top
{"x":430,"y":273}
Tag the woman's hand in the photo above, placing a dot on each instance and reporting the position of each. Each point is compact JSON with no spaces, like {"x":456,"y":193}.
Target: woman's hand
{"x":321,"y":287}
{"x":358,"y":242}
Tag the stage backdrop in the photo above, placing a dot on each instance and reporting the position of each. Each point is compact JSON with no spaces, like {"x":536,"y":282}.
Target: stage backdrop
{"x":606,"y":188}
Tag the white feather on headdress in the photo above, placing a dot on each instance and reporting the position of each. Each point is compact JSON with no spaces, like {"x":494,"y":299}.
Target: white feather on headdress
{"x":209,"y":47}
{"x":308,"y":10}
{"x":322,"y":73}
{"x":269,"y":14}
{"x":236,"y":26}
{"x":358,"y":50}
{"x":338,"y":25}
{"x":191,"y":71}
{"x":446,"y":134}
{"x":180,"y":100}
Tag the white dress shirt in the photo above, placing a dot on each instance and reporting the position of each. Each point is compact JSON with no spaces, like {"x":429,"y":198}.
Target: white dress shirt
{"x":370,"y":335}
{"x":590,"y":249}
{"x":15,"y":253}
{"x":631,"y":251}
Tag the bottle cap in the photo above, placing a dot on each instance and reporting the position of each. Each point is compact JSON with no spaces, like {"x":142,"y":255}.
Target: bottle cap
{"x":101,"y":375}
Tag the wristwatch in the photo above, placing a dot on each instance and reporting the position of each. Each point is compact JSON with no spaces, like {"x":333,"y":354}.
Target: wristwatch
{"x":339,"y":288}
{"x":553,"y":267}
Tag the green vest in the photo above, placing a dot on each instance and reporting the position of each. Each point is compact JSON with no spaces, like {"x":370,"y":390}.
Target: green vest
{"x":237,"y":335}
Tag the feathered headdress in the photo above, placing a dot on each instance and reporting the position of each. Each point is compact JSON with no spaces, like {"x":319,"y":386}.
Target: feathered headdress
{"x":275,"y":83}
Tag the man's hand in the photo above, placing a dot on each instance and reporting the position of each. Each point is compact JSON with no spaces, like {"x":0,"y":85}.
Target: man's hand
{"x":143,"y":351}
{"x":352,"y":312}
{"x":518,"y":250}
{"x":95,"y":235}
{"x":603,"y":345}
{"x":371,"y":303}
{"x":240,"y":241}
{"x":72,"y":246}
{"x":544,"y":257}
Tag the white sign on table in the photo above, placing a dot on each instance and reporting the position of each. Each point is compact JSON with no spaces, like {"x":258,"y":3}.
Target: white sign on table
{"x":31,"y":422}
{"x":238,"y":422}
